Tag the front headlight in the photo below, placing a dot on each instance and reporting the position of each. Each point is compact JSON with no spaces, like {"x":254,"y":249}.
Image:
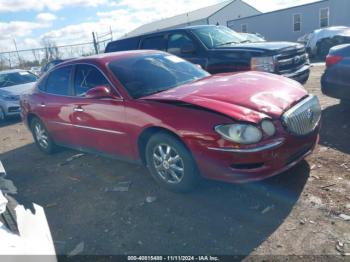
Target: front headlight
{"x":9,"y":98}
{"x":265,"y":64}
{"x":268,"y":127}
{"x":240,"y":133}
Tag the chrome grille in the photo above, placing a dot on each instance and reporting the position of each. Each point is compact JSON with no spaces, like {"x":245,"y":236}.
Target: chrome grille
{"x":303,"y":118}
{"x":292,"y":60}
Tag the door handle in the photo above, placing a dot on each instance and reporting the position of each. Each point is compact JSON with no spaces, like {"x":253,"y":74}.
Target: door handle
{"x":78,"y":109}
{"x":42,"y":105}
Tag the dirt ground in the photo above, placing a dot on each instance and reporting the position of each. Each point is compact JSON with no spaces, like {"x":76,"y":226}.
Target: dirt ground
{"x":296,"y":213}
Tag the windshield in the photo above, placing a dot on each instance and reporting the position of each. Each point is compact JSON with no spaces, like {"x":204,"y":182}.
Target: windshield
{"x":16,"y":78}
{"x":149,"y":74}
{"x":252,"y":38}
{"x":215,"y":36}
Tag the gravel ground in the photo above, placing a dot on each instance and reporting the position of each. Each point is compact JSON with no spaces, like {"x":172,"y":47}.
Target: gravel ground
{"x":296,"y":213}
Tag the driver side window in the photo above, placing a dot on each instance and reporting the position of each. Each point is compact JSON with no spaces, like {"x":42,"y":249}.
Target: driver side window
{"x":176,"y":42}
{"x":87,"y":77}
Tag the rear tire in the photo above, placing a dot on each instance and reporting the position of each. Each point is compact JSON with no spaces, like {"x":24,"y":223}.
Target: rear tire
{"x":323,"y":49}
{"x":42,"y":137}
{"x":171,"y":163}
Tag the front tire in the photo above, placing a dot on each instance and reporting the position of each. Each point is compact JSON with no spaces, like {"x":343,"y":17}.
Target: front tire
{"x":42,"y":137}
{"x":323,"y":49}
{"x":171,"y":163}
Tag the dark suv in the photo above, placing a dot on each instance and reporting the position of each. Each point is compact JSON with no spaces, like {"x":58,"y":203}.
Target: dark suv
{"x":219,"y":49}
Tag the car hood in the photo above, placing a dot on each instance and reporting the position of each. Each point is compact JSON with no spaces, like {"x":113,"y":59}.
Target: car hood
{"x":265,"y":46}
{"x":249,"y":96}
{"x":17,"y":90}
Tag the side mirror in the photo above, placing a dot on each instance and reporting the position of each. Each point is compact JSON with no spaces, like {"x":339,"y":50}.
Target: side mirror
{"x":99,"y":92}
{"x":188,"y":49}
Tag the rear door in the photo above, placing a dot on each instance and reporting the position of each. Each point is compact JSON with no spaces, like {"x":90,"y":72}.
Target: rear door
{"x":54,"y":104}
{"x":99,"y":124}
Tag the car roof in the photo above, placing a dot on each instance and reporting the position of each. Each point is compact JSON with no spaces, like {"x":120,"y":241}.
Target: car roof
{"x":9,"y":71}
{"x":332,"y":28}
{"x":108,"y":57}
{"x":167,"y":31}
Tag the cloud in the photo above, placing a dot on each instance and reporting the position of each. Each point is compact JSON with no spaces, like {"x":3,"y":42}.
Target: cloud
{"x":52,"y":5}
{"x":46,"y":17}
{"x":18,"y":29}
{"x":79,"y":32}
{"x":123,"y":17}
{"x":133,"y":14}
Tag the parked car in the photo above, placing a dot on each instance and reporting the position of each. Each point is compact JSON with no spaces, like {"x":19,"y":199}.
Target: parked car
{"x":13,"y":83}
{"x":336,"y":79}
{"x":252,"y":38}
{"x":319,"y":42}
{"x":219,"y":49}
{"x":183,"y":123}
{"x":36,"y":70}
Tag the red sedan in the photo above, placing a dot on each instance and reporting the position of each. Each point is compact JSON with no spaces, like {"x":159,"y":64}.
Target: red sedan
{"x":154,"y":108}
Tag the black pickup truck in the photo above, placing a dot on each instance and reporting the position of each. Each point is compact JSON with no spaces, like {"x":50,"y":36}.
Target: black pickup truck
{"x":219,"y":49}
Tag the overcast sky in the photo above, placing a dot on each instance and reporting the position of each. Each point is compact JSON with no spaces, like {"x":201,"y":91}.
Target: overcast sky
{"x":72,"y":21}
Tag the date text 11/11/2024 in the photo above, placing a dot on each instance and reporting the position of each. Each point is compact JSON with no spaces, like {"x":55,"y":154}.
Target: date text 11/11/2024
{"x":173,"y":258}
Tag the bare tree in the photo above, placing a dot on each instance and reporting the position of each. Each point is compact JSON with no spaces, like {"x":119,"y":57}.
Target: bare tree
{"x":50,"y":49}
{"x":36,"y":55}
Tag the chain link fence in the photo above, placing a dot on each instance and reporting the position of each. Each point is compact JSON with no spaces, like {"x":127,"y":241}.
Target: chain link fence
{"x":25,"y":59}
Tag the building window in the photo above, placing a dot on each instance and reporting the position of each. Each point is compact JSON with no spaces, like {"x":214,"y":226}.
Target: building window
{"x":324,"y":17}
{"x":297,"y":22}
{"x":244,"y":28}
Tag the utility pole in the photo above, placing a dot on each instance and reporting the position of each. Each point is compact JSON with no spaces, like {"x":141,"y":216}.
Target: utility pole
{"x":110,"y":30}
{"x":10,"y":61}
{"x":95,"y":43}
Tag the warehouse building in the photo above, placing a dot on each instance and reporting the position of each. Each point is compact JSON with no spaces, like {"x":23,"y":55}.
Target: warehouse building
{"x":217,"y":14}
{"x":281,"y":25}
{"x":291,"y":23}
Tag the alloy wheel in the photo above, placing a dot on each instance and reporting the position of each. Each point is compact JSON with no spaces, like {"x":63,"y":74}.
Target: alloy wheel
{"x":41,"y":135}
{"x":168,"y":163}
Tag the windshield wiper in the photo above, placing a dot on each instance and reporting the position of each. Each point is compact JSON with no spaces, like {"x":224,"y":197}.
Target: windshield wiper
{"x":227,"y":43}
{"x":246,"y":41}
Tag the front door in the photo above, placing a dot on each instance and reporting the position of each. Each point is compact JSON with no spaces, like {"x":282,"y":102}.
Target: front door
{"x":98,"y":123}
{"x":176,"y":43}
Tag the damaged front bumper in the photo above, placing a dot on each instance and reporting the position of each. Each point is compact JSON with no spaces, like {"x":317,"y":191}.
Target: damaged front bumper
{"x":240,"y":165}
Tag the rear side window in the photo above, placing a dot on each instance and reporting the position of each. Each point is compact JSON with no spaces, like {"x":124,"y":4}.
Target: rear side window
{"x":42,"y":84}
{"x":87,"y":77}
{"x":123,"y":45}
{"x":57,"y":82}
{"x":155,"y":43}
